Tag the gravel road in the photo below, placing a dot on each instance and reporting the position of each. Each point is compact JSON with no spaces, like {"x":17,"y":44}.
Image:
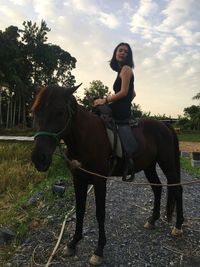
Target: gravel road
{"x":128,"y":243}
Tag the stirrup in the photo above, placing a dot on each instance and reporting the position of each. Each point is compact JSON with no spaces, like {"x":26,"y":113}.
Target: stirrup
{"x":129,"y":179}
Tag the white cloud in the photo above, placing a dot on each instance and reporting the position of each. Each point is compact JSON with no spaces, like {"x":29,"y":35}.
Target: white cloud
{"x":179,"y":61}
{"x":141,"y":19}
{"x":147,"y":7}
{"x":85,"y":6}
{"x":109,"y":20}
{"x":19,"y":2}
{"x":167,"y":46}
{"x":188,"y":37}
{"x":190,"y":71}
{"x":177,"y":12}
{"x":91,"y":9}
{"x":12,"y":15}
{"x":127,"y":7}
{"x":148,"y":62}
{"x":45,"y":9}
{"x":196,"y":56}
{"x":138,"y":22}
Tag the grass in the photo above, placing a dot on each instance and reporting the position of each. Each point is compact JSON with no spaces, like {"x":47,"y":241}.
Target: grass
{"x":16,"y":170}
{"x":186,"y":165}
{"x":18,"y":131}
{"x":189,"y":136}
{"x":19,"y":181}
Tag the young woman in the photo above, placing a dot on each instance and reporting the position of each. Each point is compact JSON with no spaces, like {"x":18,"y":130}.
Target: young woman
{"x":120,"y":101}
{"x":122,"y":63}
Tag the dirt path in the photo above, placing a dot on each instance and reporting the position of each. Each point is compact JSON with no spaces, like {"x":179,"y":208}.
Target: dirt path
{"x":189,"y":146}
{"x":128,"y":243}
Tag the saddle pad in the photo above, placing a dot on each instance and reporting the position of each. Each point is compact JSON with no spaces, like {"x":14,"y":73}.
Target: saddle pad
{"x":110,"y":135}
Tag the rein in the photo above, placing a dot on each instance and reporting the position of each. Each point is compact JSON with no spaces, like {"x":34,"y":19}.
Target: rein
{"x":63,"y":154}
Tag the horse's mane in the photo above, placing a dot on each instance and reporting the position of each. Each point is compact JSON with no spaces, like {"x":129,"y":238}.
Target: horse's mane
{"x":47,"y":95}
{"x":44,"y":97}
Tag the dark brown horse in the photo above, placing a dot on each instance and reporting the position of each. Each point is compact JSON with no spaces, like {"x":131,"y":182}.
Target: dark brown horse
{"x":59,"y":116}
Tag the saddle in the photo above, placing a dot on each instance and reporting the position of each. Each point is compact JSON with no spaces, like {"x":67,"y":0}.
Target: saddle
{"x":125,"y":136}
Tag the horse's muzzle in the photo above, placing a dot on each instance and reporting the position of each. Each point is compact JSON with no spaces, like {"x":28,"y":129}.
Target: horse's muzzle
{"x":41,"y":161}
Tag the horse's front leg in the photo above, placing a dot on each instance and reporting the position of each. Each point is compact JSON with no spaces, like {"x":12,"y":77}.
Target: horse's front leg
{"x":152,"y":176}
{"x":80,"y":187}
{"x":100,"y":197}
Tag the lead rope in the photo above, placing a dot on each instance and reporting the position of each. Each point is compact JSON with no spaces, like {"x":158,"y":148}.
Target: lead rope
{"x":70,"y":162}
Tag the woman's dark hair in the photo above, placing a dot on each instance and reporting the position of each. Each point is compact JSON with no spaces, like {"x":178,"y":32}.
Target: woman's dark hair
{"x":128,"y":61}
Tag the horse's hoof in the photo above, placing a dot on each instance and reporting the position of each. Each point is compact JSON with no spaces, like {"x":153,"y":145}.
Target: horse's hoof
{"x":68,"y":251}
{"x":149,"y":226}
{"x":176,"y":232}
{"x":96,"y":260}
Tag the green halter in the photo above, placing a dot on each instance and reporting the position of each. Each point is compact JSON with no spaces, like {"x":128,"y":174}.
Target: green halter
{"x":56,"y":136}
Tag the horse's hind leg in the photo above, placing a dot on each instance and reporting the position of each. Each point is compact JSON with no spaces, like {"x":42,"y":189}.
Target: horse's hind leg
{"x":177,"y":191}
{"x":100,"y":197}
{"x":174,"y":195}
{"x":81,"y":195}
{"x":152,"y":177}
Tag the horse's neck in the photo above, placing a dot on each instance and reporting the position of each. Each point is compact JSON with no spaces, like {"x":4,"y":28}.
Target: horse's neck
{"x":82,"y":126}
{"x":83,"y":119}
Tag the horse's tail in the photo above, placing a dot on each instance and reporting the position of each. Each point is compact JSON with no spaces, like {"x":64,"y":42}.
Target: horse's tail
{"x":176,"y":153}
{"x":171,"y":191}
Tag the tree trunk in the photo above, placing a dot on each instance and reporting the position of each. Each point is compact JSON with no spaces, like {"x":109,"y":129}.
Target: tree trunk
{"x":1,"y":116}
{"x":19,"y":110}
{"x":8,"y":112}
{"x":11,"y":111}
{"x":14,"y":113}
{"x":24,"y":113}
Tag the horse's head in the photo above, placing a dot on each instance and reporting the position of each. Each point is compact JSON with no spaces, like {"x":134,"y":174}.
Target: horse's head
{"x":52,"y":112}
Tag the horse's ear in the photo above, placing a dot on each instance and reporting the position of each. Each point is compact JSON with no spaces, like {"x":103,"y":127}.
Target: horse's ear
{"x":71,"y":90}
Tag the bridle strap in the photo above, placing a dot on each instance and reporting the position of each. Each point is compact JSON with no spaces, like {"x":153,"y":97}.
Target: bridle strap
{"x":44,"y":133}
{"x":56,"y":136}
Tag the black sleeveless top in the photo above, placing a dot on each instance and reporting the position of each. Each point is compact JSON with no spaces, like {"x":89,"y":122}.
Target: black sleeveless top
{"x":122,"y":108}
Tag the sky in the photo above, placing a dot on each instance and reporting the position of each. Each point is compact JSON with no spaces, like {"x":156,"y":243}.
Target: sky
{"x":164,"y":36}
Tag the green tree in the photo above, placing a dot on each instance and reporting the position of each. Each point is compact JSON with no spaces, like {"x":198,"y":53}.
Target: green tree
{"x":190,"y":112}
{"x":197,"y":96}
{"x":26,"y":61}
{"x":136,"y":110}
{"x":191,"y":118}
{"x":50,"y":63}
{"x":96,"y":90}
{"x":196,"y":118}
{"x":14,"y":69}
{"x":58,"y":66}
{"x":183,"y":123}
{"x":34,"y":37}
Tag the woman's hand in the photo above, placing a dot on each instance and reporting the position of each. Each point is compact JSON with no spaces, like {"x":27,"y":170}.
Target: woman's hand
{"x":100,"y":101}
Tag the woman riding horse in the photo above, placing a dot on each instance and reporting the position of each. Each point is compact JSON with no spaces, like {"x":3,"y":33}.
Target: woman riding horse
{"x":59,"y":116}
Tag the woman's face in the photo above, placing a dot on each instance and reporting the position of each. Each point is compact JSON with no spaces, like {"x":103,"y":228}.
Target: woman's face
{"x":121,"y":53}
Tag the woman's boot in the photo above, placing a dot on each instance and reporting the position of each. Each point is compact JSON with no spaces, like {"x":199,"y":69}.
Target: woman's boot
{"x":128,"y":169}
